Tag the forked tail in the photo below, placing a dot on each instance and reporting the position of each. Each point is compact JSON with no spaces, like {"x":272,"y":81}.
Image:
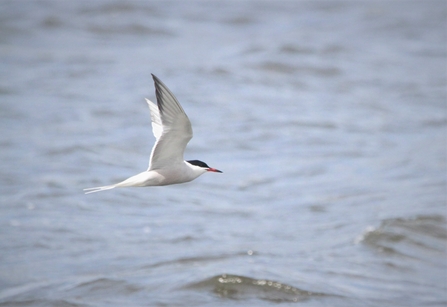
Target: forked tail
{"x":140,"y":180}
{"x":99,"y":189}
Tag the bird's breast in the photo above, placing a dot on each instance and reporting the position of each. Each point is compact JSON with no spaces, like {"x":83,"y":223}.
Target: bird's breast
{"x":175,"y":175}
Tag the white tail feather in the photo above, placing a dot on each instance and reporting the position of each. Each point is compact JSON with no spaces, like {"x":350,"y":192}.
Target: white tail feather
{"x":140,"y":180}
{"x":99,"y":189}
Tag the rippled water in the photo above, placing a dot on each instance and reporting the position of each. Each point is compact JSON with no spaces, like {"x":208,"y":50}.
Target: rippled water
{"x":328,"y":119}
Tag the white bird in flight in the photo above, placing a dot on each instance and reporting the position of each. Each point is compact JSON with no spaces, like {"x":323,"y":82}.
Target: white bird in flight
{"x":172,"y":131}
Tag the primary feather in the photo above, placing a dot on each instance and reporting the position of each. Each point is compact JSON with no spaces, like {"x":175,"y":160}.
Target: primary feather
{"x":171,"y":127}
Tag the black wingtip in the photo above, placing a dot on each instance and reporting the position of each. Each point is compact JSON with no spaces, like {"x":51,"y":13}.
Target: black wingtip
{"x":162,"y":93}
{"x":156,"y":79}
{"x":158,"y":82}
{"x":158,"y":93}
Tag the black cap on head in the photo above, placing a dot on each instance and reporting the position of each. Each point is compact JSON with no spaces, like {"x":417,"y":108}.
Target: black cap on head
{"x":198,"y":163}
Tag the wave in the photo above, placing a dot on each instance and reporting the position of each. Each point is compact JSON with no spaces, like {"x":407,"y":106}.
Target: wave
{"x":240,"y":287}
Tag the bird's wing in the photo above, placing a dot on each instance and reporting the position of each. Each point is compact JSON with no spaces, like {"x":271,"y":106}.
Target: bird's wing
{"x":171,"y":128}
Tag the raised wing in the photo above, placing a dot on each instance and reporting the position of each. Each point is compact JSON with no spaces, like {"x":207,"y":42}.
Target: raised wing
{"x":171,"y":128}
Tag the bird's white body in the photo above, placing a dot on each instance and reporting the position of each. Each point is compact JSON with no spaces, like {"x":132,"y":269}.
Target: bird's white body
{"x":172,"y":130}
{"x":175,"y":174}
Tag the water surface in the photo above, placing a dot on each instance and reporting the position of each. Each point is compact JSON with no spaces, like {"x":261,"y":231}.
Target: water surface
{"x":328,"y":119}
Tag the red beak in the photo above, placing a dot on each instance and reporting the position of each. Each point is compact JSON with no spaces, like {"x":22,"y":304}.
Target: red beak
{"x":213,"y":170}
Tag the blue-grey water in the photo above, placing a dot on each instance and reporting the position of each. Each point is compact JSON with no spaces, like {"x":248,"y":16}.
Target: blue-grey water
{"x":328,"y":119}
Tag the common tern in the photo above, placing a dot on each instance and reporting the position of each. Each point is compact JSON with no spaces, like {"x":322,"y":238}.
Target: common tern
{"x":172,"y":131}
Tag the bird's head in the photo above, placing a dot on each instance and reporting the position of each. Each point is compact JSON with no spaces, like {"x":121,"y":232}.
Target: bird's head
{"x":203,"y":166}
